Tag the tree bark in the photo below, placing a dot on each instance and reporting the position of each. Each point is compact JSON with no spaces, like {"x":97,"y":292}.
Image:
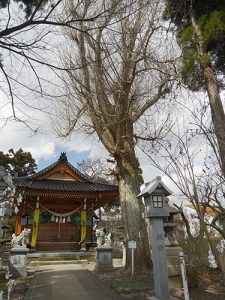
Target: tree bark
{"x":135,"y":227}
{"x":217,"y":110}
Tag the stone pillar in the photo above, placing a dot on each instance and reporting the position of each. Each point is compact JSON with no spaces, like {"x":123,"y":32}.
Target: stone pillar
{"x":159,"y":260}
{"x":104,"y":262}
{"x":18,"y":261}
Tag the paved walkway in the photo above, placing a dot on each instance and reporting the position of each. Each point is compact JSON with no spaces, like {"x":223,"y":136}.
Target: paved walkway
{"x":67,"y":282}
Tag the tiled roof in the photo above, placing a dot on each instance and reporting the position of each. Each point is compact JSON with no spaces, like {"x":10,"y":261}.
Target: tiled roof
{"x":62,"y":158}
{"x":67,"y":186}
{"x":32,"y":182}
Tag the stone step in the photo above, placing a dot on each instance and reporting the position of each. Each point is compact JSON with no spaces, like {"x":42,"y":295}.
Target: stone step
{"x":62,"y":258}
{"x":57,"y":262}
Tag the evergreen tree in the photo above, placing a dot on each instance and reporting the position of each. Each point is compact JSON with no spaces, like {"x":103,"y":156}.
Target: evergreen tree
{"x":200,"y":30}
{"x":210,"y":19}
{"x":18,"y":162}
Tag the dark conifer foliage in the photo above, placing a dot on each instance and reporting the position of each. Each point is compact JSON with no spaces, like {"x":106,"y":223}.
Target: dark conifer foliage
{"x":210,"y":16}
{"x":18,"y":163}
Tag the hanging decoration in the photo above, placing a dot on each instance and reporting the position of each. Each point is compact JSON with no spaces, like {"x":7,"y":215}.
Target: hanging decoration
{"x":35,"y":227}
{"x":83,"y":225}
{"x":83,"y":219}
{"x":56,"y":214}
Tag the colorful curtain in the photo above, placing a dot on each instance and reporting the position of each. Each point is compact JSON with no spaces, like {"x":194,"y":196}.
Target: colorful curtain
{"x":35,"y":227}
{"x":83,"y":219}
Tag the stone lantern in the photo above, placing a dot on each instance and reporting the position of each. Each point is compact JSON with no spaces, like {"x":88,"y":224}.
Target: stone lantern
{"x":156,"y":209}
{"x":6,"y":185}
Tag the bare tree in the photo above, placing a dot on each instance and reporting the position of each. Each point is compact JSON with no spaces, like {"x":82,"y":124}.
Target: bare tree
{"x":99,"y":169}
{"x":189,"y":156}
{"x":96,"y":168}
{"x":29,"y":38}
{"x":123,"y":69}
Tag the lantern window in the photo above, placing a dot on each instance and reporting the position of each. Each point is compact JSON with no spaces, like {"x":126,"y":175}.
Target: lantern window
{"x":157,"y":201}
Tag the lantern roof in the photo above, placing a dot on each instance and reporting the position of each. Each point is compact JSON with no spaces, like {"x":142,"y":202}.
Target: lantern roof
{"x":154,"y":184}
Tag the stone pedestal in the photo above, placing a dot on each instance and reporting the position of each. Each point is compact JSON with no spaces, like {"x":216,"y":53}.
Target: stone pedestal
{"x":173,"y":263}
{"x":104,"y":262}
{"x":18,"y":262}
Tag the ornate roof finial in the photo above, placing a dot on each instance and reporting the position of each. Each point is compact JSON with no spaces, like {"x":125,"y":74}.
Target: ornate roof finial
{"x":63,"y":157}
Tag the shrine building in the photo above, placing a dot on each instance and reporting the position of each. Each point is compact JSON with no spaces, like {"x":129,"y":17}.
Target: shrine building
{"x":58,"y":205}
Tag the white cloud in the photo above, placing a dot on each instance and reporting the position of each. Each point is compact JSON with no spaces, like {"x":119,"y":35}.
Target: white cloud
{"x":43,"y":144}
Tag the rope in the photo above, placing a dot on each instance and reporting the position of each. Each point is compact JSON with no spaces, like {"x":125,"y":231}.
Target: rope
{"x":60,"y":214}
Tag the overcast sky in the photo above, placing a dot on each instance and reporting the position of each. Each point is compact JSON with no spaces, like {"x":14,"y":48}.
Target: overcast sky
{"x":44,"y":145}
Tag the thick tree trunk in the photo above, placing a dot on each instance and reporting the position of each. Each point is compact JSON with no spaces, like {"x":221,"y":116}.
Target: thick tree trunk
{"x":135,"y":227}
{"x":217,"y":112}
{"x":209,"y":240}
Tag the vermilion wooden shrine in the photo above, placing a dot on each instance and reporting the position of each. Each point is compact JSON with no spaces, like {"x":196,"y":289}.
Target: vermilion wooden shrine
{"x":58,"y":205}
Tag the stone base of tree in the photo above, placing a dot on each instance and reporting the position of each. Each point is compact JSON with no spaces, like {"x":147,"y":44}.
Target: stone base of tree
{"x":104,"y":262}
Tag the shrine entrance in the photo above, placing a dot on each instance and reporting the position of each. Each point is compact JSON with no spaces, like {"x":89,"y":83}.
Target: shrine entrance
{"x":59,"y":236}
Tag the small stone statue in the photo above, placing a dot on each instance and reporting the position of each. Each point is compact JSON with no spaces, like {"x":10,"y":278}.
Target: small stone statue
{"x":170,"y":235}
{"x":100,"y":234}
{"x":20,"y":240}
{"x":103,"y":239}
{"x":108,"y":239}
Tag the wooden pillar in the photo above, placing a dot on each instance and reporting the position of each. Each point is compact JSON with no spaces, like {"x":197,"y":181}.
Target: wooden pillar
{"x":18,"y":228}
